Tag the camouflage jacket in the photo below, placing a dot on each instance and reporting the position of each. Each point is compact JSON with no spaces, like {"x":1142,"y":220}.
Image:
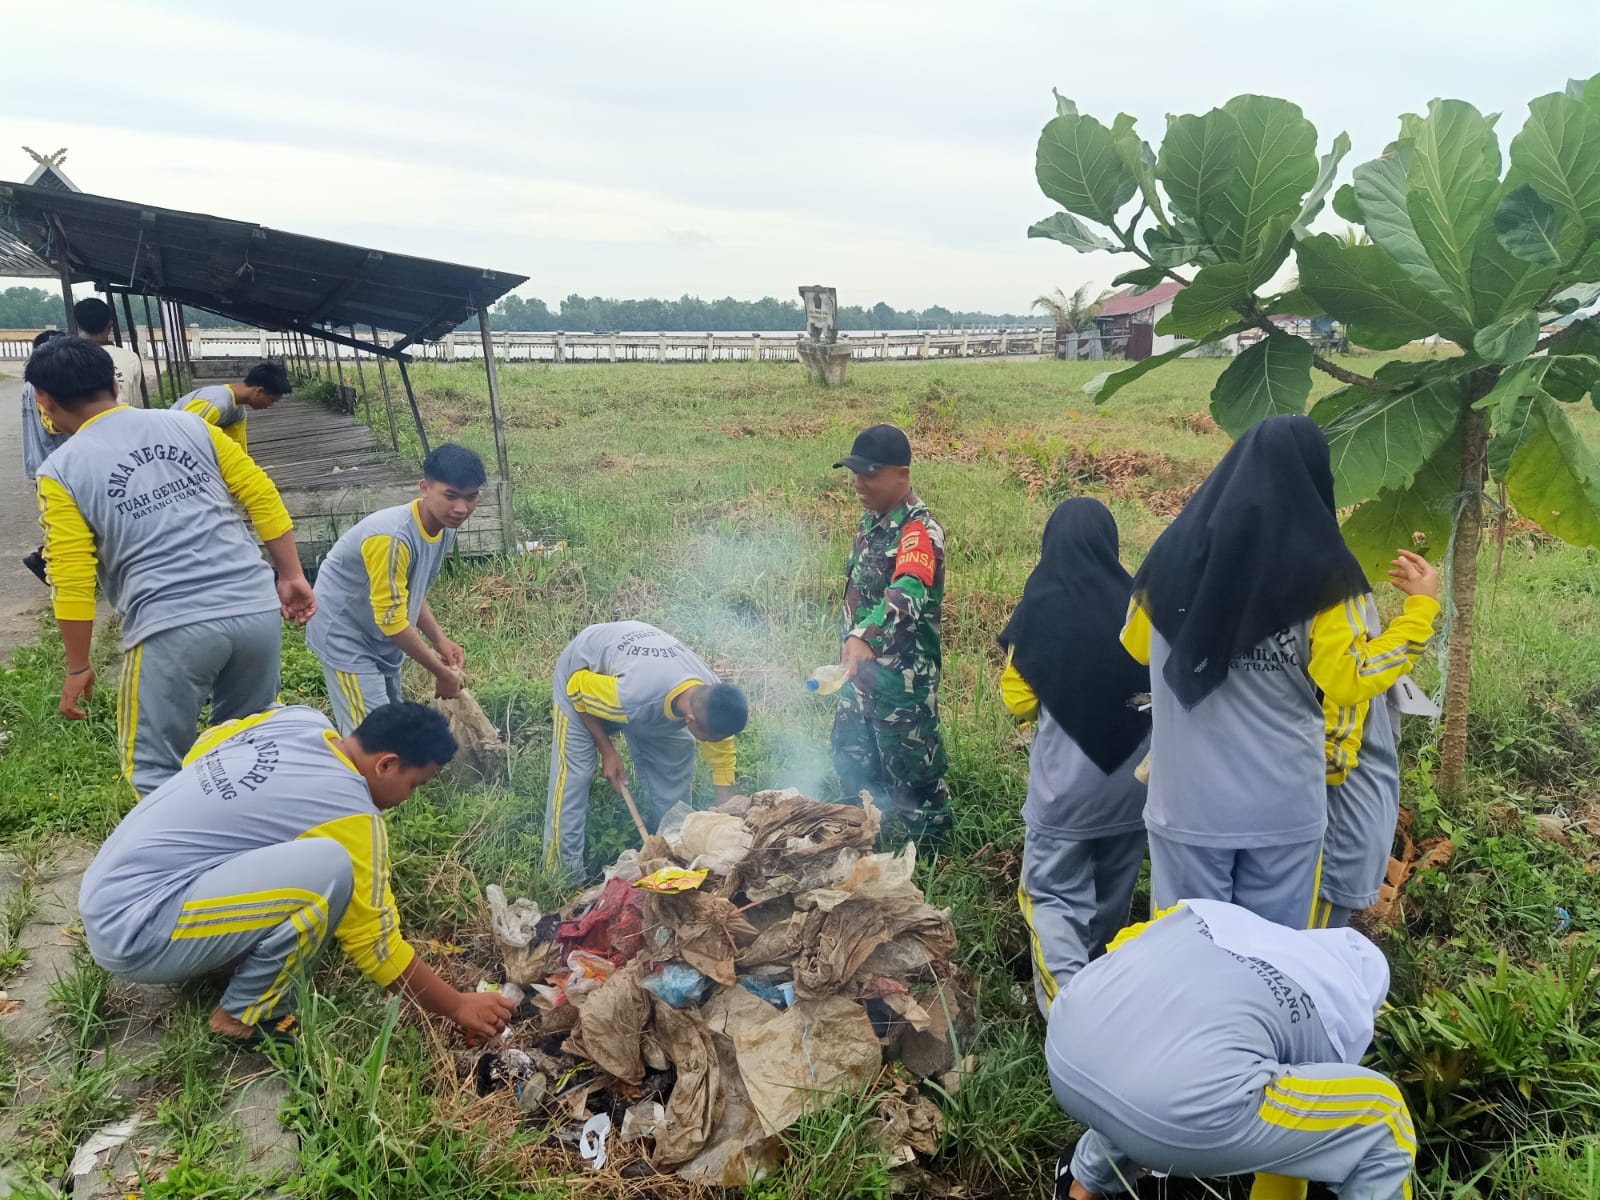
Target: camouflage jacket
{"x":894,"y":588}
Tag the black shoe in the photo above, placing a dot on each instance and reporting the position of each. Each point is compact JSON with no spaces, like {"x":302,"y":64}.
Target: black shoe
{"x":1063,"y":1185}
{"x":35,"y":563}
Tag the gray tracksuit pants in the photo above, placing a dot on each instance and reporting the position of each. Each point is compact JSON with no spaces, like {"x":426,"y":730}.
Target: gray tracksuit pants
{"x":1279,"y":883}
{"x":167,"y":678}
{"x":1075,"y":894}
{"x":272,"y":908}
{"x":663,"y":762}
{"x":1182,"y":1058}
{"x":354,"y":694}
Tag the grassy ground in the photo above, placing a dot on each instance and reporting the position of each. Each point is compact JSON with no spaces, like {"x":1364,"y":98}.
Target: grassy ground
{"x":701,"y":498}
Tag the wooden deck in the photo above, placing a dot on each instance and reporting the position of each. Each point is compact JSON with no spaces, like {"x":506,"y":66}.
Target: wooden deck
{"x":333,"y":471}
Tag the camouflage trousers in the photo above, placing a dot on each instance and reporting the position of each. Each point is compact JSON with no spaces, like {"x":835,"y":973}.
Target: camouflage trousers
{"x":886,"y":741}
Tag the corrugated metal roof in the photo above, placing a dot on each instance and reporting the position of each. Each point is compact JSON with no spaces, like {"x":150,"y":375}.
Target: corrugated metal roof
{"x":255,"y":275}
{"x":1125,"y":303}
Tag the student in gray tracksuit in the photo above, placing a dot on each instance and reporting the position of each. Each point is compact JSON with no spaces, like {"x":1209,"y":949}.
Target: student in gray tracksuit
{"x":1241,"y":609}
{"x":268,"y":842}
{"x":372,"y":592}
{"x":1066,"y":669}
{"x":631,"y":678}
{"x":1363,"y":772}
{"x":144,"y":499}
{"x":1212,"y":1042}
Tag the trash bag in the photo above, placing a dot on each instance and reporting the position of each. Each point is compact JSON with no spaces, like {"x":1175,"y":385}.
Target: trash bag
{"x":481,"y":755}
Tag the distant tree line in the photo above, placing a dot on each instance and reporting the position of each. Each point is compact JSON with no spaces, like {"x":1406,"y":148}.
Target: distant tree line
{"x":40,"y":308}
{"x":690,"y":314}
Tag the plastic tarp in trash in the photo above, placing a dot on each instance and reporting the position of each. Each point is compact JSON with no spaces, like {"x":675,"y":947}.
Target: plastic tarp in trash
{"x":611,"y":1025}
{"x":789,"y":1058}
{"x":796,"y":844}
{"x":832,"y":947}
{"x":696,"y":1103}
{"x":481,"y":754}
{"x":707,"y":931}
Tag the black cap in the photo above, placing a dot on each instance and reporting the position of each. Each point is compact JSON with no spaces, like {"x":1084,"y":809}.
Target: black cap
{"x":878,"y":446}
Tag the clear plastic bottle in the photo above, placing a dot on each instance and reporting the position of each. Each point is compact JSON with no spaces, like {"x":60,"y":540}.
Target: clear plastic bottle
{"x":826,"y":680}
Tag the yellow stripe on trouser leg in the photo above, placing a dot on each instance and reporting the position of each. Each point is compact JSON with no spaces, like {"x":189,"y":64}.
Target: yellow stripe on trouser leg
{"x":1046,"y":980}
{"x":552,"y":852}
{"x":351,"y":686}
{"x":1316,"y":893}
{"x":128,"y":707}
{"x":1296,"y":1102}
{"x":310,"y":925}
{"x":1277,"y":1187}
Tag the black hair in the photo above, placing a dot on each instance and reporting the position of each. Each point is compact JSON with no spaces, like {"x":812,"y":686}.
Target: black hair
{"x":726,"y":711}
{"x":40,"y":339}
{"x":454,"y":466}
{"x":417,"y":734}
{"x":72,"y":371}
{"x":93,"y":315}
{"x":269,"y":376}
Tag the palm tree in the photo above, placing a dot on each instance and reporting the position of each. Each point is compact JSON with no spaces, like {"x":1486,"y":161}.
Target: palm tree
{"x":1074,"y":313}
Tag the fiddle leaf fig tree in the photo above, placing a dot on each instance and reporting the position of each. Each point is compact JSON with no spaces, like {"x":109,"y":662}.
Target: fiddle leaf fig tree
{"x":1497,"y":253}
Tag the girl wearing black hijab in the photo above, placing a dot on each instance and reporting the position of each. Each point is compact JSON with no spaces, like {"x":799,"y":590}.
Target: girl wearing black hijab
{"x":1065,"y":667}
{"x":1243,"y":610}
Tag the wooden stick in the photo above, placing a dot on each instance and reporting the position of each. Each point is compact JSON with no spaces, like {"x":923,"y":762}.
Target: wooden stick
{"x":633,"y":810}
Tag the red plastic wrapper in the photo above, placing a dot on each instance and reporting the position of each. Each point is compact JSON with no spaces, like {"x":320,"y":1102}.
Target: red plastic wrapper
{"x":613,"y":928}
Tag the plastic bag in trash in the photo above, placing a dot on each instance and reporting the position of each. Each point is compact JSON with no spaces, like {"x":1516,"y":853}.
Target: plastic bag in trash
{"x":679,"y":984}
{"x":714,"y":841}
{"x":641,"y":1120}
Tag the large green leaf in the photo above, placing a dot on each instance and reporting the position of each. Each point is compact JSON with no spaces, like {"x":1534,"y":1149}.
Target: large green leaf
{"x":1078,"y":166}
{"x":1141,"y":160}
{"x":1381,"y":306}
{"x":1391,"y":520}
{"x":1142,"y":278}
{"x":1208,"y":303}
{"x":1552,"y":477}
{"x":1275,"y":164}
{"x":1530,"y":228}
{"x":1585,"y":91}
{"x":1503,"y":285}
{"x":1380,"y":188}
{"x":1571,"y":376}
{"x":1509,"y":339}
{"x":1103,"y":386}
{"x":1378,"y":441}
{"x":1347,"y":206}
{"x":1181,"y":243}
{"x":1558,"y":153}
{"x":1326,"y":169}
{"x":1453,"y":176}
{"x":1273,"y":376}
{"x":1069,"y":231}
{"x":1196,"y":164}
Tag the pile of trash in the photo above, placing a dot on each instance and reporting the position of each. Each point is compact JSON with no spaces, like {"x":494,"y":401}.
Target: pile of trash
{"x":747,"y":962}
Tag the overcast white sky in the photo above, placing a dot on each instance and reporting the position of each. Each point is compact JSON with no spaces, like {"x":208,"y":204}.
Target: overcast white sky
{"x":643,"y":147}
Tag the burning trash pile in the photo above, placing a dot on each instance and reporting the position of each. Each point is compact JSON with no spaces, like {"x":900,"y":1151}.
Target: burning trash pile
{"x":748,"y":961}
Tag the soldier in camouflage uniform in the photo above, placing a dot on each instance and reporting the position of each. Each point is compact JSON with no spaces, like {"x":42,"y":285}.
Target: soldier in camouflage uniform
{"x":886,"y":730}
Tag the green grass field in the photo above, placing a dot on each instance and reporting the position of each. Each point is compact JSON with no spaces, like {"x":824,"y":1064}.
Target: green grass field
{"x":701,"y":498}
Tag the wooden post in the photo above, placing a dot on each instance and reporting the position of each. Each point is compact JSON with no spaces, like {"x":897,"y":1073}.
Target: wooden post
{"x":338,"y":366}
{"x":66,"y":294}
{"x":612,"y":344}
{"x":561,"y":348}
{"x":495,"y":417}
{"x":711,"y":347}
{"x":150,"y":331}
{"x":755,"y":349}
{"x":361,"y":374}
{"x":416,"y":413}
{"x":388,"y":403}
{"x":661,"y":351}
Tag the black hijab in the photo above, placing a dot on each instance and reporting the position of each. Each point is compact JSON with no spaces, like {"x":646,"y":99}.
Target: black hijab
{"x":1256,"y":549}
{"x":1064,"y":634}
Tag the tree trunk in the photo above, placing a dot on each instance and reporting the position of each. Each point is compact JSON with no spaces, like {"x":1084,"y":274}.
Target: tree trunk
{"x":1463,"y":597}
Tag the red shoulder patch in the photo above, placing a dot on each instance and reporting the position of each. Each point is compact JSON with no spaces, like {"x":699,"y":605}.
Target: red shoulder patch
{"x":915,"y":556}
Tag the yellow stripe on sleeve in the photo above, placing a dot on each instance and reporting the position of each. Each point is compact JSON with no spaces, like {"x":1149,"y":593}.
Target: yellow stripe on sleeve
{"x":217,"y":734}
{"x":596,"y":695}
{"x":69,"y":551}
{"x":370,"y":928}
{"x":388,"y":563}
{"x":1136,"y":633}
{"x":1016,"y":693}
{"x":722,"y":757}
{"x":251,"y":487}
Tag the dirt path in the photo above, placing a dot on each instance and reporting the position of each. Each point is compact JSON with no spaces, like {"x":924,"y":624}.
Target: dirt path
{"x":22,"y":597}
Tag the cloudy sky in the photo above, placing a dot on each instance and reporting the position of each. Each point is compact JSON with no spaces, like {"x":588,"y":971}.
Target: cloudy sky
{"x":645,"y":147}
